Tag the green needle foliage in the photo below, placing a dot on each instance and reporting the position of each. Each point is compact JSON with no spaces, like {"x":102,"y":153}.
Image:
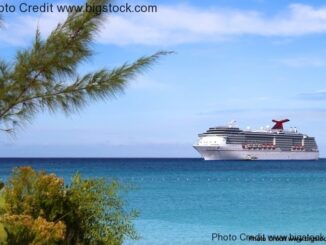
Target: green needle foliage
{"x":44,"y":76}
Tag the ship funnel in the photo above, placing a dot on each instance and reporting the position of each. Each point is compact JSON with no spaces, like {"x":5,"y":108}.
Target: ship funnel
{"x":279,"y":124}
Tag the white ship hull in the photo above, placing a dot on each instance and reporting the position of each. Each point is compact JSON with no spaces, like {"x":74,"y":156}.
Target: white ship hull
{"x":236,"y":152}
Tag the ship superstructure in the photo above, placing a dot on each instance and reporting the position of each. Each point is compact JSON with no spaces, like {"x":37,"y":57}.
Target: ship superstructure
{"x":231,"y":143}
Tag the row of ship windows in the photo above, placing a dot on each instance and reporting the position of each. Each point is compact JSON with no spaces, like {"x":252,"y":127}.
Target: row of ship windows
{"x":268,"y":139}
{"x":258,"y":147}
{"x":289,"y":142}
{"x":261,"y":147}
{"x":271,"y":147}
{"x":277,"y":143}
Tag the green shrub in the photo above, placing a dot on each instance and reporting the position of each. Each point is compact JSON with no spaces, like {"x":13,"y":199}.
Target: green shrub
{"x":39,"y":209}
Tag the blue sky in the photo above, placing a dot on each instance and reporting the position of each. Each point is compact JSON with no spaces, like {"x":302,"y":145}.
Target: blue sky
{"x":251,"y":61}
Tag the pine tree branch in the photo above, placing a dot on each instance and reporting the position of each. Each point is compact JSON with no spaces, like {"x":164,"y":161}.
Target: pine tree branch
{"x":40,"y":77}
{"x":74,"y":28}
{"x":101,"y":84}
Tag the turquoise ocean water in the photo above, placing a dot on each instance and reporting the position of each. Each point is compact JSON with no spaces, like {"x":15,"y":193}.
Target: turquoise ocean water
{"x":184,"y":201}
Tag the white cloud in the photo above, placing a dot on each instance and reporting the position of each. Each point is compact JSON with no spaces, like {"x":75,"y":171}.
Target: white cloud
{"x":178,"y":24}
{"x":185,"y":24}
{"x":300,"y":62}
{"x":319,"y":95}
{"x":20,"y":29}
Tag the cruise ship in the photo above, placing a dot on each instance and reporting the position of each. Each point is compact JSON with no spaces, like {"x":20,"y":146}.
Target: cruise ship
{"x":231,"y":143}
